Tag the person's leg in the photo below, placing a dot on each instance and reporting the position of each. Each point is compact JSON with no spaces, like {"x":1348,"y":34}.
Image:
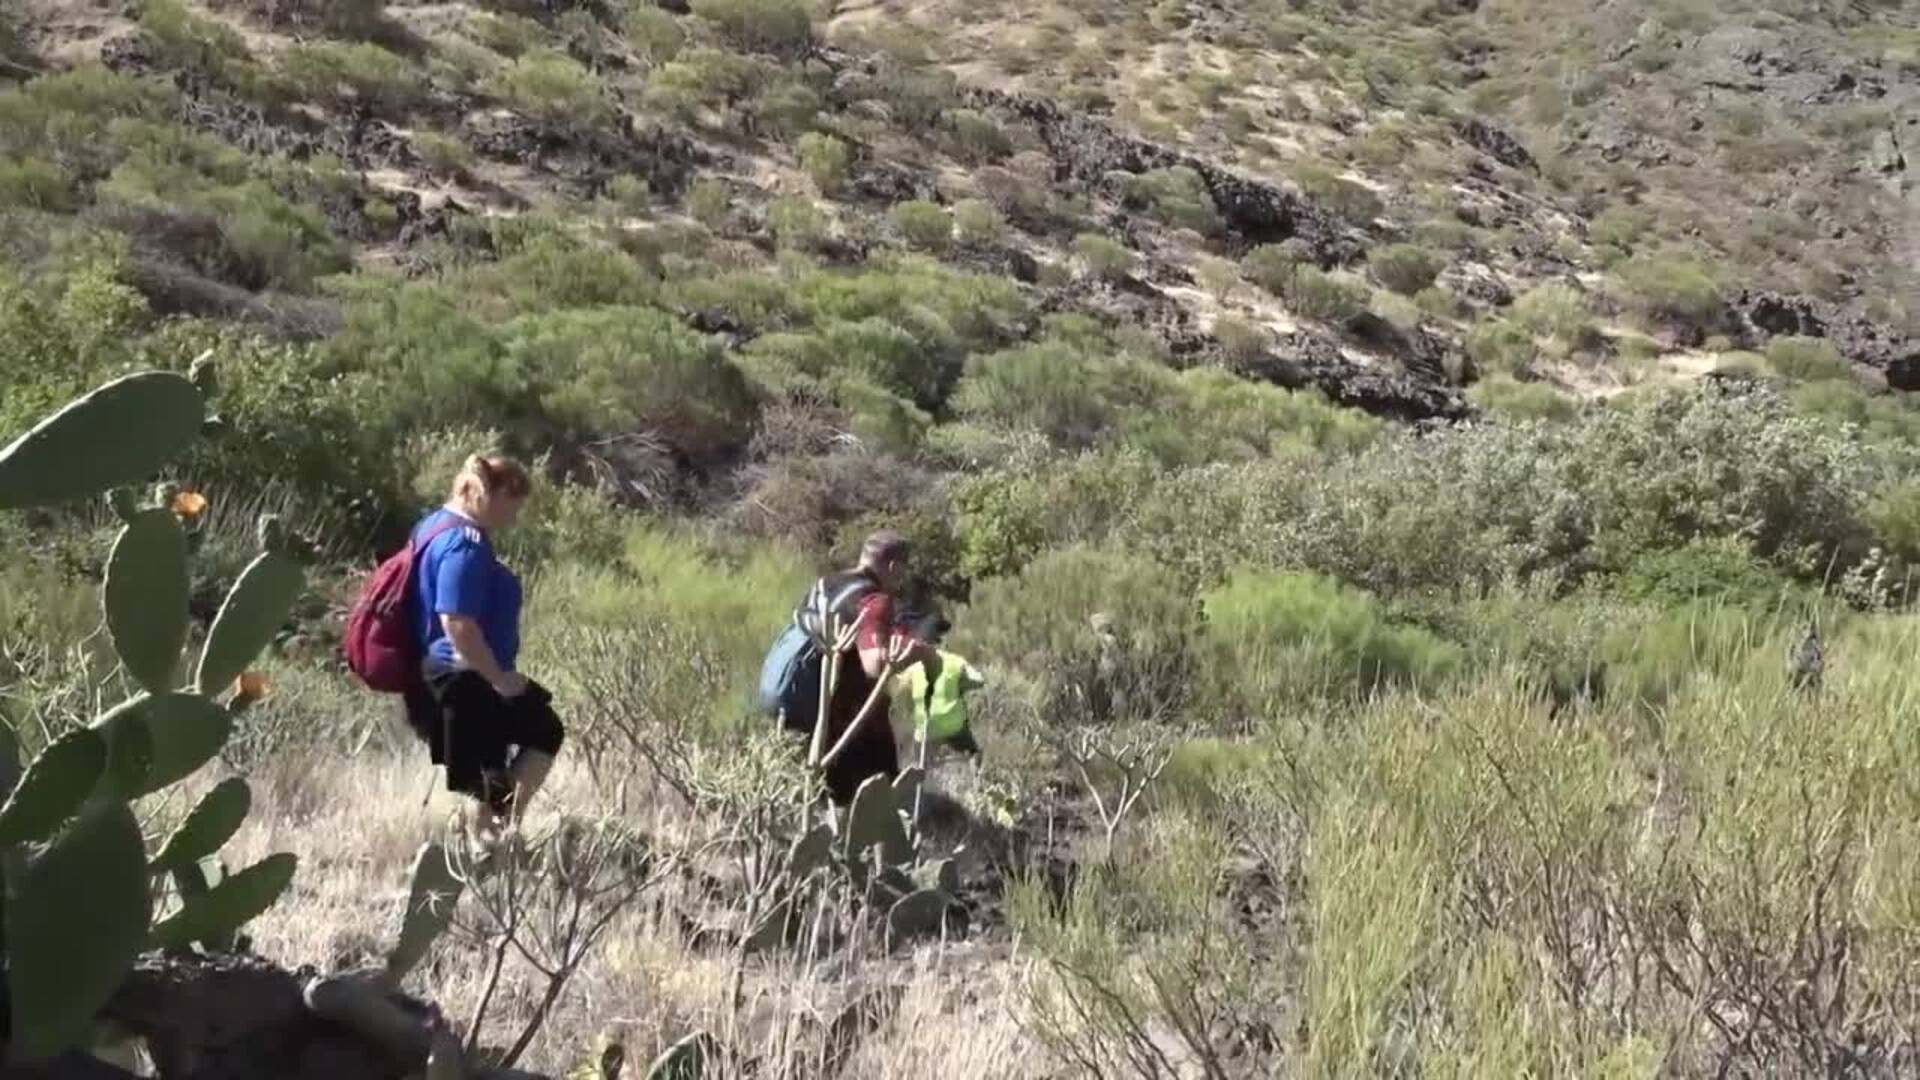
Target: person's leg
{"x":537,"y":731}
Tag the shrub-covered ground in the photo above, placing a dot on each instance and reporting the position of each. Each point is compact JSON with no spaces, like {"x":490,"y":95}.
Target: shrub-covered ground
{"x":1449,"y":515}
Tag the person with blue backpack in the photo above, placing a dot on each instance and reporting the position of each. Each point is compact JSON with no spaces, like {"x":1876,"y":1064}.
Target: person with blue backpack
{"x":472,"y":705}
{"x":845,"y":630}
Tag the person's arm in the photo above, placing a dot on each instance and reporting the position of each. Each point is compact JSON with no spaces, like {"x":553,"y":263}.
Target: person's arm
{"x":875,"y":639}
{"x":460,"y":595}
{"x":470,"y":645}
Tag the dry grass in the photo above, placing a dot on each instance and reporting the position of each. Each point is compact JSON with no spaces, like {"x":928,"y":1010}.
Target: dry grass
{"x":356,"y":826}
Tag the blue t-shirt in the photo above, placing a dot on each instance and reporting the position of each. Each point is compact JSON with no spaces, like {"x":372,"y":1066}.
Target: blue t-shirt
{"x":457,"y":574}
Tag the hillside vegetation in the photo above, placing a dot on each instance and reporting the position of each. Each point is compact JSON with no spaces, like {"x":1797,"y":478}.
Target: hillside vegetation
{"x":1386,"y":458}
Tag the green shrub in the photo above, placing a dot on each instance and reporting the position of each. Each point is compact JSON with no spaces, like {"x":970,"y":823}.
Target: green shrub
{"x":60,"y":118}
{"x":554,"y":89}
{"x":1342,"y":196}
{"x":825,"y":160}
{"x":1499,"y":347}
{"x":615,"y":370}
{"x":780,"y":27}
{"x":199,"y":45}
{"x":781,"y":108}
{"x":443,"y":155}
{"x":1177,"y":196}
{"x":710,"y":202}
{"x":1292,"y":637}
{"x":654,"y":34}
{"x":1134,"y":666}
{"x":977,"y":223}
{"x":1053,"y":388}
{"x":1803,"y":359}
{"x":922,"y":224}
{"x":1672,"y":291}
{"x":1329,"y":297}
{"x":35,"y":184}
{"x":1509,"y":397}
{"x":1104,"y":258}
{"x":344,"y":74}
{"x":1217,"y":276}
{"x":506,"y":33}
{"x":796,"y":222}
{"x":1271,"y":266}
{"x":1721,"y":570}
{"x":1240,"y":339}
{"x":1404,"y":268}
{"x":973,"y":138}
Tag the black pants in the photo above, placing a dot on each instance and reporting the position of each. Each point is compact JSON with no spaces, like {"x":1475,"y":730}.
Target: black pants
{"x":470,"y":729}
{"x":872,"y":752}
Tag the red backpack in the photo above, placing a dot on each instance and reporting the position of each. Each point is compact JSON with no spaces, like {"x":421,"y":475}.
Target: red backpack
{"x":380,"y":644}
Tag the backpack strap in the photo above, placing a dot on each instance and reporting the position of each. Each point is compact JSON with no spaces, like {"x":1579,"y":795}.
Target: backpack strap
{"x":817,"y":610}
{"x":452,"y":522}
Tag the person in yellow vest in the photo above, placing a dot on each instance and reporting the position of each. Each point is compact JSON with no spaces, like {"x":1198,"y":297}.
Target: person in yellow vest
{"x":940,"y":694}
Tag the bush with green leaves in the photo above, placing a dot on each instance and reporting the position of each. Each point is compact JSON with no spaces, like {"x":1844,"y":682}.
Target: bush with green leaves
{"x":1177,"y":196}
{"x":616,"y":370}
{"x":796,"y":222}
{"x":1671,"y":291}
{"x":1276,"y":639}
{"x":1803,"y":359}
{"x":779,"y":27}
{"x":978,"y":223}
{"x":1506,"y":396}
{"x":924,"y":225}
{"x":824,"y":159}
{"x":1104,"y":258}
{"x":554,"y":89}
{"x":1271,"y":266}
{"x":1107,"y":636}
{"x":1347,"y":198}
{"x":653,"y":33}
{"x":1404,"y":268}
{"x":973,"y":137}
{"x":348,"y":74}
{"x":204,"y":47}
{"x":1332,"y":297}
{"x":68,"y":825}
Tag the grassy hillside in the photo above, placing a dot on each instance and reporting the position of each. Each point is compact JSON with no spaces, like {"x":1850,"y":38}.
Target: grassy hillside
{"x":1391,"y":448}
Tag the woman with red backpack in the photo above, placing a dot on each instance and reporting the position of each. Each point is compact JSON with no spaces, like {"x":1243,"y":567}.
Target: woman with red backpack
{"x":472,"y":703}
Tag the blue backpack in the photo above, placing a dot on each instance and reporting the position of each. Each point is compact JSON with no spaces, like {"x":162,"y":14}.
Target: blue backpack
{"x":790,"y":675}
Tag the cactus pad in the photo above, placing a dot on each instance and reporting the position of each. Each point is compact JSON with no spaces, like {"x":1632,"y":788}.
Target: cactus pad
{"x":117,"y":434}
{"x":74,"y":928}
{"x":942,"y":875}
{"x":688,"y":1059}
{"x":875,"y":823}
{"x":229,"y":905}
{"x":811,"y":850}
{"x":917,"y":914}
{"x":186,"y":730}
{"x":430,"y":902}
{"x":772,"y":931}
{"x":255,"y":609}
{"x":129,"y":760}
{"x":906,"y":788}
{"x":212,"y":823}
{"x":54,"y":786}
{"x":146,"y":597}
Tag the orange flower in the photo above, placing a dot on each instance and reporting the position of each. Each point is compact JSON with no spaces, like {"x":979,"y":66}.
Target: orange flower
{"x":190,"y":505}
{"x":251,"y":686}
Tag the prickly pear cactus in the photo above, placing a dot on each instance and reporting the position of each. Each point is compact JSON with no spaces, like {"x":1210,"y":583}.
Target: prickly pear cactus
{"x":431,"y":899}
{"x":114,"y":436}
{"x":145,"y":597}
{"x":254,"y":611}
{"x":873,"y":824}
{"x":77,"y":880}
{"x":229,"y":905}
{"x":207,"y":829}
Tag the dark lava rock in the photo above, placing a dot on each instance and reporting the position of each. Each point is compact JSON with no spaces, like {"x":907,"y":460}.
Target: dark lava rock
{"x":1496,"y":143}
{"x":1304,"y":359}
{"x":1760,"y":314}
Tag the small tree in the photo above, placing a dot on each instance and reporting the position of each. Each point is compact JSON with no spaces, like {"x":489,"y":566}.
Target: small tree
{"x":922,"y":224}
{"x":979,"y":223}
{"x":1104,"y":258}
{"x":780,"y":27}
{"x":825,"y":160}
{"x":1404,"y":268}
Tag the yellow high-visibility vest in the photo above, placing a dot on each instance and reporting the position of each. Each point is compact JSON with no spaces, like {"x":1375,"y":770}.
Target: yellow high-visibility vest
{"x":942,"y":714}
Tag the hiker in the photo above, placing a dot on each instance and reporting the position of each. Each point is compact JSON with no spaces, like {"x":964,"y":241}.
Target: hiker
{"x":863,"y":598}
{"x":939,"y":688}
{"x":474,"y":703}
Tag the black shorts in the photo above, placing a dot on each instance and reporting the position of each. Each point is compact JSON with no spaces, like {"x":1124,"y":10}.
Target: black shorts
{"x":469,"y":728}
